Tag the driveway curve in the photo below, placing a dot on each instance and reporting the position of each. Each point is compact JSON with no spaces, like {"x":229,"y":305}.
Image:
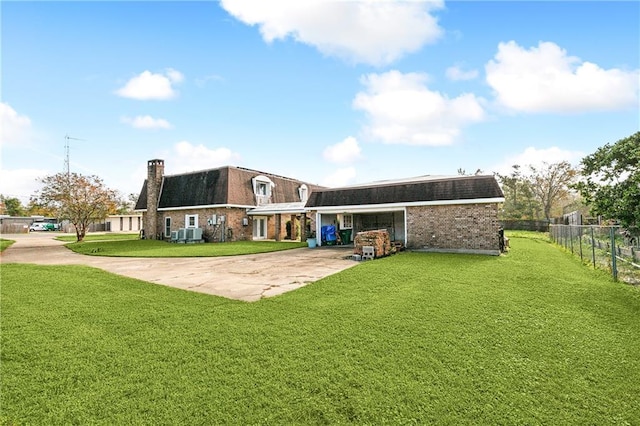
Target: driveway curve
{"x":248,"y":277}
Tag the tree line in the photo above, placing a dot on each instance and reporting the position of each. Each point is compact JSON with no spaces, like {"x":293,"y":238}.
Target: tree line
{"x":606,"y":184}
{"x":538,"y":192}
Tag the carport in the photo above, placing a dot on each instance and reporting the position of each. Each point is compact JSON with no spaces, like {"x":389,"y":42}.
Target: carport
{"x":363,"y":218}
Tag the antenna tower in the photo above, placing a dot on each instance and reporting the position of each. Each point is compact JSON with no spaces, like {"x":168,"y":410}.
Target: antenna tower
{"x":67,"y":168}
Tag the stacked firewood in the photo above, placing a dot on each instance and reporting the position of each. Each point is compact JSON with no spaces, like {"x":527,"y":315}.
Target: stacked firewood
{"x":379,"y":240}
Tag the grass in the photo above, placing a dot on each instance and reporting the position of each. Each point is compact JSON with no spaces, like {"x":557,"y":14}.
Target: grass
{"x":100,"y":237}
{"x":532,"y":337}
{"x":5,"y":243}
{"x":155,"y":248}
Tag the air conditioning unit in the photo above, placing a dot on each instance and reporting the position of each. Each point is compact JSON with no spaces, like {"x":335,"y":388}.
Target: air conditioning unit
{"x":189,"y":235}
{"x":174,"y":236}
{"x":182,"y":234}
{"x":197,"y":234}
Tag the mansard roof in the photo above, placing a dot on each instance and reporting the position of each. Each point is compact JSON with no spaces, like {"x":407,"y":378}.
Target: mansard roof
{"x":227,"y":185}
{"x":424,"y":189}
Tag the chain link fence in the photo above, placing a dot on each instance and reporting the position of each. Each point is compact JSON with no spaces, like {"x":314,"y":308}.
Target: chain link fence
{"x":610,"y":248}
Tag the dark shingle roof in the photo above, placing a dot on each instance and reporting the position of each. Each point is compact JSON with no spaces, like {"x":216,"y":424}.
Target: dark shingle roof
{"x":225,"y":185}
{"x":419,"y":190}
{"x":194,"y":189}
{"x":141,"y":204}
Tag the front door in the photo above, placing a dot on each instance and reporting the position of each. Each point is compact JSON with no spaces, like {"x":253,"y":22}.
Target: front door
{"x":259,"y":228}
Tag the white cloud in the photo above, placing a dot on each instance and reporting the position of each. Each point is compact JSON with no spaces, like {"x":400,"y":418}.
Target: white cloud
{"x":546,"y":79}
{"x":456,"y":73}
{"x":146,"y":122}
{"x":21,"y":183}
{"x":150,"y":86}
{"x":188,"y":157}
{"x":15,"y":129}
{"x":201,"y":82}
{"x":174,"y":75}
{"x":366,"y":31}
{"x":340,"y":177}
{"x":402,"y":110}
{"x":346,"y":151}
{"x":536,"y":157}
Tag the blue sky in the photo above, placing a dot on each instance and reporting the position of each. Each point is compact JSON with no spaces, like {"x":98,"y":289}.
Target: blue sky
{"x":332,"y":93}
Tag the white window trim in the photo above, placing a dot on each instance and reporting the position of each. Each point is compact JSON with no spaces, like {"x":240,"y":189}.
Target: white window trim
{"x":303,"y":192}
{"x":186,"y":220}
{"x":167,"y":219}
{"x":343,"y":221}
{"x":265,"y":180}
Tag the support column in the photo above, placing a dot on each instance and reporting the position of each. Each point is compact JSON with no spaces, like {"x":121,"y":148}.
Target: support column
{"x":278,"y":226}
{"x":303,"y":227}
{"x":294,"y":228}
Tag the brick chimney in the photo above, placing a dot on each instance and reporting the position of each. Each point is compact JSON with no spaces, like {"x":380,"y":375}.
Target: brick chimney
{"x":155,"y":173}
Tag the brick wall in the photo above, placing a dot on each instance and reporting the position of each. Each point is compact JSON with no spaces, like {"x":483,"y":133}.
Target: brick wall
{"x":462,"y":227}
{"x":233,"y":217}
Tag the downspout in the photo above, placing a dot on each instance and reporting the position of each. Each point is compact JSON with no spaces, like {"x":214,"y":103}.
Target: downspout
{"x":318,"y":228}
{"x":405,"y":226}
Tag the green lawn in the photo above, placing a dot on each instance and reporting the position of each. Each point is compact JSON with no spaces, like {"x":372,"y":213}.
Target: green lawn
{"x":155,"y":248}
{"x":532,"y":337}
{"x":5,"y":243}
{"x":101,"y":237}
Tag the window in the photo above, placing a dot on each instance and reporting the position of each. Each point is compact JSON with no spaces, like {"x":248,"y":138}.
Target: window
{"x":191,"y":221}
{"x":167,"y":226}
{"x":130,"y":223}
{"x":261,"y":188}
{"x":346,"y":221}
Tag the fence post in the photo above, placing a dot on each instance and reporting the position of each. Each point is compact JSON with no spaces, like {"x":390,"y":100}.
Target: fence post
{"x":614,"y":266}
{"x":570,"y":238}
{"x":593,"y":249}
{"x":580,"y":241}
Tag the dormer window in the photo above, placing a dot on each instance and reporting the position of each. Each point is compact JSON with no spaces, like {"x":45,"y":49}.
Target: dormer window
{"x":262,"y":187}
{"x":303,"y":191}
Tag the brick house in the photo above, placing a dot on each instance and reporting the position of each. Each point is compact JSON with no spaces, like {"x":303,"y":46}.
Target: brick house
{"x":451,"y":214}
{"x":228,"y":203}
{"x":448,"y":214}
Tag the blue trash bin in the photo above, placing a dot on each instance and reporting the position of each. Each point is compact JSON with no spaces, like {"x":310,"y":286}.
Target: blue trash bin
{"x":329,"y":235}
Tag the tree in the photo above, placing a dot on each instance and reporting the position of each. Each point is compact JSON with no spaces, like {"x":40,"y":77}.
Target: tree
{"x":80,"y":199}
{"x":519,"y":200}
{"x":551,"y":184}
{"x":12,"y":206}
{"x":125,"y":205}
{"x":611,"y":181}
{"x":36,"y":209}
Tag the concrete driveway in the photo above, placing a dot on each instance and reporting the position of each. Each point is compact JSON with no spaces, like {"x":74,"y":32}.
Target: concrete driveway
{"x":248,"y":278}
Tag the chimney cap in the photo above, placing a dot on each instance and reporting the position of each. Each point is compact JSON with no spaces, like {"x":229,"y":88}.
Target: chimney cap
{"x":156,"y":161}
